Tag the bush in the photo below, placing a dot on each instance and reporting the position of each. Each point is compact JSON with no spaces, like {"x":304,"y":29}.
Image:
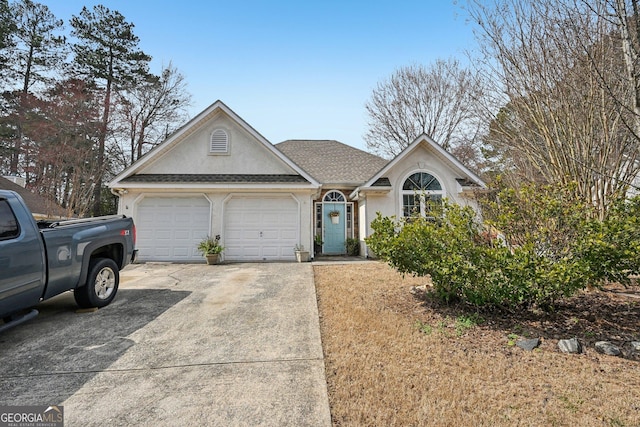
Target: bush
{"x":353,"y":246}
{"x":612,"y":248}
{"x":548,"y":247}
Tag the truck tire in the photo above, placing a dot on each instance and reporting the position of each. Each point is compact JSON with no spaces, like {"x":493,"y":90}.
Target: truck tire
{"x":101,"y":286}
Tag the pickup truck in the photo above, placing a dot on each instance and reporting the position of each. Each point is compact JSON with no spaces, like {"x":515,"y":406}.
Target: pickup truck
{"x":39,"y":260}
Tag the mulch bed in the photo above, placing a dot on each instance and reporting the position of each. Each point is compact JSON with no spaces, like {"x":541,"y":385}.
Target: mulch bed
{"x":608,"y":314}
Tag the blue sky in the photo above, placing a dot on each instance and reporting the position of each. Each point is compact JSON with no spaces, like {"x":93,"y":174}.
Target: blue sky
{"x":291,"y":69}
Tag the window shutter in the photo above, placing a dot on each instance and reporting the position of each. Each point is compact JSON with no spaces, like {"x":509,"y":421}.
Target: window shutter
{"x":219,"y":142}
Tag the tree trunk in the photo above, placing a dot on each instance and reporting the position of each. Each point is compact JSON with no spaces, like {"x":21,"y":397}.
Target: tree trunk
{"x":102,"y":137}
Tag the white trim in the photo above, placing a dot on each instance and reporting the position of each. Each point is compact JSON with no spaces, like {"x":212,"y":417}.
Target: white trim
{"x":353,"y":217}
{"x":334,"y":191}
{"x":349,"y":225}
{"x":453,"y":162}
{"x":259,"y":195}
{"x":212,"y":187}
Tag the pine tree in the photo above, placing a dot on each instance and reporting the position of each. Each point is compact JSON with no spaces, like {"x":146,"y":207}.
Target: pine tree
{"x":107,"y":51}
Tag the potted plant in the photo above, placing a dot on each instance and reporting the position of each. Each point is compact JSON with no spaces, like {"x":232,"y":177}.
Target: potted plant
{"x":353,"y":246}
{"x":317,"y":244}
{"x":335,"y":217}
{"x":302,"y":255}
{"x":210,"y":247}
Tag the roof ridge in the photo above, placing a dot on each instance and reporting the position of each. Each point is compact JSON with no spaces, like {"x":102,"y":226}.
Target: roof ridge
{"x":311,"y":140}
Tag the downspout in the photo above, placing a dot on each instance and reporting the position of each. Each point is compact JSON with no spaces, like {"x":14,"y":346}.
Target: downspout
{"x":362,"y":231}
{"x":366,"y":227}
{"x":312,"y":247}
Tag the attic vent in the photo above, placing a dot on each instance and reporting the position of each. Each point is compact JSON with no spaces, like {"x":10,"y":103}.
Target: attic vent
{"x":219,"y":142}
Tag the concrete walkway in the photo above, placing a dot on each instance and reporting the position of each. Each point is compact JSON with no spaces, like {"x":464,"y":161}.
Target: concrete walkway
{"x":340,"y":259}
{"x":224,"y":345}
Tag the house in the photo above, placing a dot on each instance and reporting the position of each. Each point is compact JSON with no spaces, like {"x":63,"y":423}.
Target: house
{"x":218,"y":176}
{"x":41,"y":207}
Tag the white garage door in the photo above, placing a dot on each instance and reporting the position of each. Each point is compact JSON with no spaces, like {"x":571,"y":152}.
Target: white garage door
{"x":261,"y":228}
{"x":169,"y":229}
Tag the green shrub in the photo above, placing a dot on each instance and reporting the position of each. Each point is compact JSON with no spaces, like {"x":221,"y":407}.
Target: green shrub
{"x":384,"y":231}
{"x":612,"y":248}
{"x":353,"y":246}
{"x":550,"y":247}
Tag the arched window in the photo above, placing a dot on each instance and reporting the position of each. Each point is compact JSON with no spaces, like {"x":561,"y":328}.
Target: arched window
{"x":421,"y":194}
{"x":334,"y":196}
{"x":219,"y":143}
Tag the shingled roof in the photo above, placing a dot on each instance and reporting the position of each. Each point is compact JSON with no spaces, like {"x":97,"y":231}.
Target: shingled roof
{"x":40,"y":207}
{"x":332,"y":162}
{"x":216,"y":178}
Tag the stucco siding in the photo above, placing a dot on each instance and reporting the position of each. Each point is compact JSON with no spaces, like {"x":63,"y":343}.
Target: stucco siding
{"x":390,"y":204}
{"x":191,"y":155}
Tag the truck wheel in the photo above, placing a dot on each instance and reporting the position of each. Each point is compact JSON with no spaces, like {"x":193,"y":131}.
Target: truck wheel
{"x":101,"y":286}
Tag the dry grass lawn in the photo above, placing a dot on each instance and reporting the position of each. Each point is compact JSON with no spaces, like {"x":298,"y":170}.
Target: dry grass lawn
{"x":395,"y":359}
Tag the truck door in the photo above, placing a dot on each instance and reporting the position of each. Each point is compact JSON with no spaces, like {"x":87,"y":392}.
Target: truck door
{"x":22,"y":275}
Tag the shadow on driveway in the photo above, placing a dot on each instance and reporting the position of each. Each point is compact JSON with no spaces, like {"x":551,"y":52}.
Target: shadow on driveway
{"x":48,"y":359}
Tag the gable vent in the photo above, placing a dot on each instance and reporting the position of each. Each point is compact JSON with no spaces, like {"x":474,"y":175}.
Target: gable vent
{"x":219,"y":142}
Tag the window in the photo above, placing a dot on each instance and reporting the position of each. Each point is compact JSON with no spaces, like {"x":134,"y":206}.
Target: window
{"x":8,"y":224}
{"x":334,"y":196}
{"x":319,"y":219}
{"x":422,"y":195}
{"x":219,"y":143}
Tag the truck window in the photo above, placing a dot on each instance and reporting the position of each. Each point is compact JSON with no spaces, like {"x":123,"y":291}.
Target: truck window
{"x":8,"y":224}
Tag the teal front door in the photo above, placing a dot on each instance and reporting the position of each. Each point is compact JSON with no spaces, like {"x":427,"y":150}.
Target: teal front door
{"x":334,"y":229}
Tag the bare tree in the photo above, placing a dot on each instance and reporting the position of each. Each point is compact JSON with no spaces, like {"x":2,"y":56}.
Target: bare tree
{"x":146,"y":113}
{"x":439,"y":100}
{"x":629,"y":33}
{"x":558,"y":122}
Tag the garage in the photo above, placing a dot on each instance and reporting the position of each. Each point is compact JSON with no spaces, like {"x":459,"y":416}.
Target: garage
{"x":169,"y":228}
{"x":261,"y":228}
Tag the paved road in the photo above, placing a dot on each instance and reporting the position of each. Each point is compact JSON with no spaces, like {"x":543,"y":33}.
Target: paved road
{"x":227,"y":345}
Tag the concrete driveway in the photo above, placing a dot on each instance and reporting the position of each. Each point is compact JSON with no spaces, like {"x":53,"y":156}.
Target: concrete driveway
{"x":224,"y":345}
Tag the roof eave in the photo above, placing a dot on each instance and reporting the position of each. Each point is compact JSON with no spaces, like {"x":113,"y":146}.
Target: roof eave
{"x":472,"y":190}
{"x":368,"y":190}
{"x":444,"y":154}
{"x":341,"y":184}
{"x":211,"y":186}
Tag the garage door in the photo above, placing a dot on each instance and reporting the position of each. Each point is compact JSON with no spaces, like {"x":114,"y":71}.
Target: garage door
{"x":169,"y":229}
{"x":261,"y":228}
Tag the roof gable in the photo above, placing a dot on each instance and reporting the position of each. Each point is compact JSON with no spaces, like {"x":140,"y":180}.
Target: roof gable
{"x":440,"y":153}
{"x":332,"y":162}
{"x":187,"y":151}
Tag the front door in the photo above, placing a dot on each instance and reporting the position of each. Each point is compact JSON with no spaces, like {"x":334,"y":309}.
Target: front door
{"x":334,"y":228}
